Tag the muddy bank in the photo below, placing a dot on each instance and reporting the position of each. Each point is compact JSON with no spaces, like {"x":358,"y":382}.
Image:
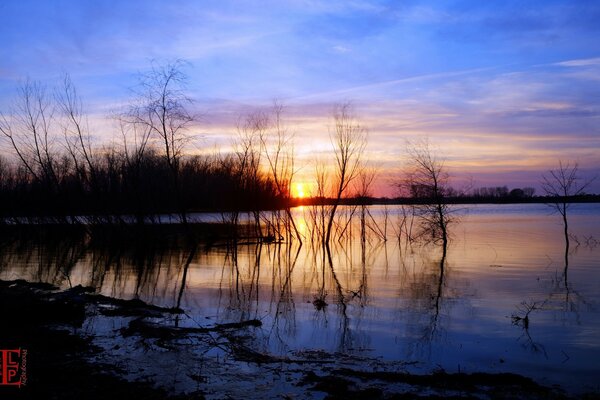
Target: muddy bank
{"x":45,"y":322}
{"x":72,"y":355}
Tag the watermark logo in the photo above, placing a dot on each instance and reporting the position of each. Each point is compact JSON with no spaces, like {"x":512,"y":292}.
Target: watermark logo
{"x":13,"y":367}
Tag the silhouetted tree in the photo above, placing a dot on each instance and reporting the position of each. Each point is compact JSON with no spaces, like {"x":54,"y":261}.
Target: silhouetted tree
{"x":427,"y":181}
{"x":247,"y":167}
{"x":77,"y":137}
{"x":528,"y":191}
{"x":161,"y":110}
{"x":562,"y":185}
{"x":28,"y":128}
{"x":349,"y":140}
{"x":364,"y":183}
{"x":278,"y":147}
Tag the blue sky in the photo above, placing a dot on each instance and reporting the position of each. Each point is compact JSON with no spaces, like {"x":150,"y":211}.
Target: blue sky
{"x":503,"y":89}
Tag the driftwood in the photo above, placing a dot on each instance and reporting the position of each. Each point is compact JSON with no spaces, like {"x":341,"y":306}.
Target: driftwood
{"x":149,"y":329}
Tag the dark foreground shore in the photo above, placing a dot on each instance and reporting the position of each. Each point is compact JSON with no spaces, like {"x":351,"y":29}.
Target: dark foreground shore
{"x":62,"y":363}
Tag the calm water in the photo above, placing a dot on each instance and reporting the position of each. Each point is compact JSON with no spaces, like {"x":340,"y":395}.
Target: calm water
{"x":385,"y":300}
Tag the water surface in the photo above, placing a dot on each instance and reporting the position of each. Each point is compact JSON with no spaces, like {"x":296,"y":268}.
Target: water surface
{"x":387,"y":300}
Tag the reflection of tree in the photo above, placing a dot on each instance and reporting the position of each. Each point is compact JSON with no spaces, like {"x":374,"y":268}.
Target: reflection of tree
{"x":242,"y":287}
{"x":562,"y":297}
{"x":46,"y":255}
{"x":438,"y":295}
{"x":346,"y":276}
{"x":427,"y":290}
{"x":342,"y":306}
{"x":564,"y":292}
{"x":140,"y":263}
{"x":243,"y":293}
{"x":427,"y":295}
{"x":521,"y":319}
{"x":191,"y":248}
{"x":284,"y":263}
{"x":340,"y":277}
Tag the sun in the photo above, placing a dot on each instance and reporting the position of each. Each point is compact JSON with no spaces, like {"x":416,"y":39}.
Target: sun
{"x":299,"y":191}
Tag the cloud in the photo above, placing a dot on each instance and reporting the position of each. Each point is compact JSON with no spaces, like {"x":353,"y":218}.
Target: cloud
{"x":341,"y":49}
{"x":584,"y":62}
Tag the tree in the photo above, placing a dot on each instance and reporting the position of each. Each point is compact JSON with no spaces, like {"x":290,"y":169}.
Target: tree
{"x":349,"y":140}
{"x":528,"y":192}
{"x":162,"y":111}
{"x":28,"y":128}
{"x":279,"y":153}
{"x":247,"y":168}
{"x":562,"y":185}
{"x":516,"y":193}
{"x":427,"y":181}
{"x":364,"y":182}
{"x":76,"y":131}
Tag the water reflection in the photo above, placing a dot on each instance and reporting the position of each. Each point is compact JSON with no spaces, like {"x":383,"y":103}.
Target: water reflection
{"x":359,"y":293}
{"x":561,"y":300}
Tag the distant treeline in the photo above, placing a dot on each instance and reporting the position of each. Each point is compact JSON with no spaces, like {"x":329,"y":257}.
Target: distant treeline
{"x":462,"y":199}
{"x":492,"y":194}
{"x":587,"y":198}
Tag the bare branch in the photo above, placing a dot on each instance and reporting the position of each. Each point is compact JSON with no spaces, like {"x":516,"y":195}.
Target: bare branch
{"x":562,"y":185}
{"x":427,"y":181}
{"x":349,"y":140}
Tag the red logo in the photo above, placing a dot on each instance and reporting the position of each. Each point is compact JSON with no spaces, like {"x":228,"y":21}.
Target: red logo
{"x":13,"y":367}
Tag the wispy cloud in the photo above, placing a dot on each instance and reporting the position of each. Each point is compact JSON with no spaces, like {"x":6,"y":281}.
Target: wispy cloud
{"x":365,"y":91}
{"x":584,"y":62}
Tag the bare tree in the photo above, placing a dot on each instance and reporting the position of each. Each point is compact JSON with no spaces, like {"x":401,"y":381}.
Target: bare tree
{"x":364,"y":183}
{"x":28,"y":128}
{"x":319,"y":212}
{"x":349,"y":140}
{"x":162,"y":111}
{"x":248,"y":165}
{"x":562,"y":185}
{"x":135,"y":139}
{"x":427,"y":182}
{"x":279,"y":153}
{"x":76,"y":131}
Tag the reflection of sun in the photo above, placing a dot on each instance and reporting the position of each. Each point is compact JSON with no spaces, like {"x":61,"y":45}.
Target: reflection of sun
{"x":301,"y":221}
{"x":299,"y":191}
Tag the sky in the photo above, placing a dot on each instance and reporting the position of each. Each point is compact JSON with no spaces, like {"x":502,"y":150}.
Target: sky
{"x":502,"y":90}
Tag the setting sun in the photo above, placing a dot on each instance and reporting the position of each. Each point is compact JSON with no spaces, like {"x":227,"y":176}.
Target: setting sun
{"x":299,"y":191}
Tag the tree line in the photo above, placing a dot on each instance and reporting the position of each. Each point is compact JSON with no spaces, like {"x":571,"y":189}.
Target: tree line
{"x":56,"y":170}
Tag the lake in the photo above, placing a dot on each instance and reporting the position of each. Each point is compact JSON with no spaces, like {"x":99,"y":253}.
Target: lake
{"x":506,"y":297}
